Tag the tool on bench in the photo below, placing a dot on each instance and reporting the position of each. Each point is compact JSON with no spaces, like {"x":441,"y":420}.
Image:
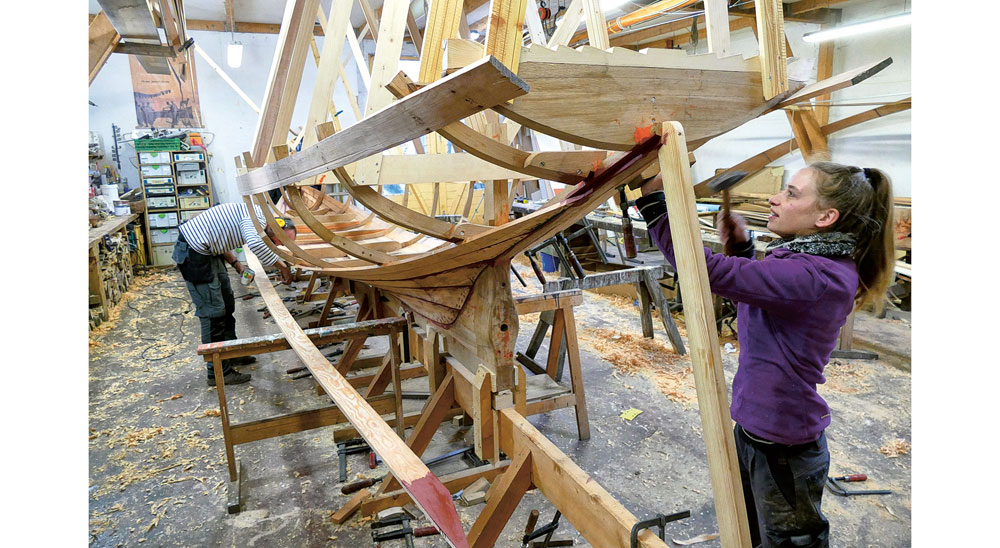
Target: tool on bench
{"x":659,"y":520}
{"x":838,"y":489}
{"x":722,"y":184}
{"x":349,"y":447}
{"x":530,"y":533}
{"x":530,"y":254}
{"x":249,"y":296}
{"x":404,"y":532}
{"x":627,"y":233}
{"x":359,"y":485}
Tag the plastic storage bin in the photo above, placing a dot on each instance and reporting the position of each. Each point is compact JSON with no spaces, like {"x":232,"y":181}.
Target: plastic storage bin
{"x":162,"y":220}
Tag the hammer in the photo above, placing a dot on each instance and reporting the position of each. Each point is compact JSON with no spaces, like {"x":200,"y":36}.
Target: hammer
{"x":723,"y":183}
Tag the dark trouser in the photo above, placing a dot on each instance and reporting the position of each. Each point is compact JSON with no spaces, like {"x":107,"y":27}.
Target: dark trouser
{"x":208,"y":284}
{"x":783,"y":488}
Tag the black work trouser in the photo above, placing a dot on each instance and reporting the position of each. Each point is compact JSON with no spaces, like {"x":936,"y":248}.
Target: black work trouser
{"x":783,"y":489}
{"x":208,"y":284}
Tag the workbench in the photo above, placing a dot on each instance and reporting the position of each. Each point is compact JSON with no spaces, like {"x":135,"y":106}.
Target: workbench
{"x":109,"y":226}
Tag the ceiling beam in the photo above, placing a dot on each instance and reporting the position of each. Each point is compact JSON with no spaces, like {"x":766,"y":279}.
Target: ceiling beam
{"x":230,"y":15}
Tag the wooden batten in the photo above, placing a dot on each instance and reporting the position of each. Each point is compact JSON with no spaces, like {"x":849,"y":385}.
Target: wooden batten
{"x":703,"y":339}
{"x":450,"y":99}
{"x":771,"y":37}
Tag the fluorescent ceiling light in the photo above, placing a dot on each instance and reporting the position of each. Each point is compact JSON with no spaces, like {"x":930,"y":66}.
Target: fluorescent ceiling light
{"x":858,"y":28}
{"x":234,"y":55}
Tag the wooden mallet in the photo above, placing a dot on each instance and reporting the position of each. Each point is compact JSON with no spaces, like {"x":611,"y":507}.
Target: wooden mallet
{"x":722,"y":184}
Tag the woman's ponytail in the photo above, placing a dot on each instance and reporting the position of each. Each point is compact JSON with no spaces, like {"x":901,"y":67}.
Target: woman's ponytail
{"x":865,"y":202}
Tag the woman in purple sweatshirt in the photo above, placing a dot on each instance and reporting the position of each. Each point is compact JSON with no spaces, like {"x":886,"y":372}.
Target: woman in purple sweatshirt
{"x":836,"y":252}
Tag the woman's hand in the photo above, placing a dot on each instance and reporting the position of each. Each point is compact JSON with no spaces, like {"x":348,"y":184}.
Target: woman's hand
{"x":737,"y":230}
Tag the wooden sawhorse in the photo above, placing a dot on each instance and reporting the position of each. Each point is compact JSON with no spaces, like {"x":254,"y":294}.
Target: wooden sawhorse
{"x":235,"y":434}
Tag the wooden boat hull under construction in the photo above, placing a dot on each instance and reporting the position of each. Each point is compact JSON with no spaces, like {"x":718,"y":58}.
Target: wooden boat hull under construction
{"x":456,"y":275}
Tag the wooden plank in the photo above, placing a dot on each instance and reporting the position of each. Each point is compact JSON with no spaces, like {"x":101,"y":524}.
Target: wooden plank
{"x":597,"y":27}
{"x":427,"y":491}
{"x":841,"y":81}
{"x":300,"y":421}
{"x":459,"y":53}
{"x":388,"y":48}
{"x":771,"y":37}
{"x":567,"y":25}
{"x":703,"y":339}
{"x":133,"y":20}
{"x":441,"y":27}
{"x":602,"y":520}
{"x":328,"y":70}
{"x":760,"y":161}
{"x":504,"y":34}
{"x":717,"y":27}
{"x":541,"y":302}
{"x":506,"y":494}
{"x":435,"y":106}
{"x":264,"y":133}
{"x":102,"y":40}
{"x":824,"y":70}
{"x":439,"y":168}
{"x":534,"y":23}
{"x":350,"y":507}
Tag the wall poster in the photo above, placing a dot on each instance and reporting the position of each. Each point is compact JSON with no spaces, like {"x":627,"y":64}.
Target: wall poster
{"x":166,"y":100}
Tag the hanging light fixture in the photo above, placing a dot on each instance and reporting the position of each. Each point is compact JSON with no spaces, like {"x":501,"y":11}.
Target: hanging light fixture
{"x":234,"y":52}
{"x":858,"y":28}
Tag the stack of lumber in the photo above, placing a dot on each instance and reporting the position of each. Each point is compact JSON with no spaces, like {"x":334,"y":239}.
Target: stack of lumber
{"x":115,"y":265}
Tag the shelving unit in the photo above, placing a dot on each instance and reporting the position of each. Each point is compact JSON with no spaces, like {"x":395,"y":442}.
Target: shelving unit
{"x":176,"y":186}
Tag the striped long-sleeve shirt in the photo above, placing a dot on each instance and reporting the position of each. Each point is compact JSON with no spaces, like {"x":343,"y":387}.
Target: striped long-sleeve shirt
{"x":226,"y":227}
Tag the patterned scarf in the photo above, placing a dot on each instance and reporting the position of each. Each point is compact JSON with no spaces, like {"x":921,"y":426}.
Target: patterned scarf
{"x":827,"y":244}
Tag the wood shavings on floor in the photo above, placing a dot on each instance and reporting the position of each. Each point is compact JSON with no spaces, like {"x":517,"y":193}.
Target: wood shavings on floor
{"x":895,"y":448}
{"x":632,"y":354}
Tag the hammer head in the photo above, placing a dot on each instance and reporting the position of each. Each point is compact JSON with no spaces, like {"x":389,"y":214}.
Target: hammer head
{"x":726,"y":181}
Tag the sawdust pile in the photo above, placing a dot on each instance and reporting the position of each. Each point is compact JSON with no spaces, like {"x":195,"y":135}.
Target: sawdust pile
{"x":895,"y":448}
{"x":134,"y":290}
{"x":632,"y":354}
{"x":847,"y":377}
{"x":620,"y":303}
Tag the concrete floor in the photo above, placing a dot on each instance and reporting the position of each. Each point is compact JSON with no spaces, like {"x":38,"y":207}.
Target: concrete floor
{"x":158,"y":468}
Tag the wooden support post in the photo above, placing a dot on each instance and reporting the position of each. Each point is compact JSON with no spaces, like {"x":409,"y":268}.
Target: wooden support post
{"x":397,"y":388}
{"x":597,"y":26}
{"x":431,"y":416}
{"x":706,"y":358}
{"x":771,"y":36}
{"x":555,"y":343}
{"x":432,"y":359}
{"x":507,"y":493}
{"x":504,"y":34}
{"x":717,"y":27}
{"x":220,"y":388}
{"x":576,"y":375}
{"x":483,"y":417}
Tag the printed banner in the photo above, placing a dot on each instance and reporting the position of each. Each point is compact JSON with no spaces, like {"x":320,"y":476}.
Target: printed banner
{"x":166,"y":100}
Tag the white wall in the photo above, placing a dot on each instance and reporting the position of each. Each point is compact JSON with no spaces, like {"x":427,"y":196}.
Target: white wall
{"x":883,"y":143}
{"x":229,"y":121}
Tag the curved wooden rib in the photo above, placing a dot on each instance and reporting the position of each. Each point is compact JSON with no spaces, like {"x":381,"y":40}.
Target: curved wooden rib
{"x":264,"y":201}
{"x":482,"y":147}
{"x":288,"y":258}
{"x":427,"y":491}
{"x":457,"y":268}
{"x":348,"y":246}
{"x":404,"y":216}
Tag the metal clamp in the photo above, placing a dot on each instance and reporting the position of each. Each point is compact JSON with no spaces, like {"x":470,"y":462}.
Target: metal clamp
{"x":660,"y":520}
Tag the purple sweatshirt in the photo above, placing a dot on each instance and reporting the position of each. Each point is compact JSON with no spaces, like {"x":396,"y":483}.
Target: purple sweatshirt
{"x":790,"y":308}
